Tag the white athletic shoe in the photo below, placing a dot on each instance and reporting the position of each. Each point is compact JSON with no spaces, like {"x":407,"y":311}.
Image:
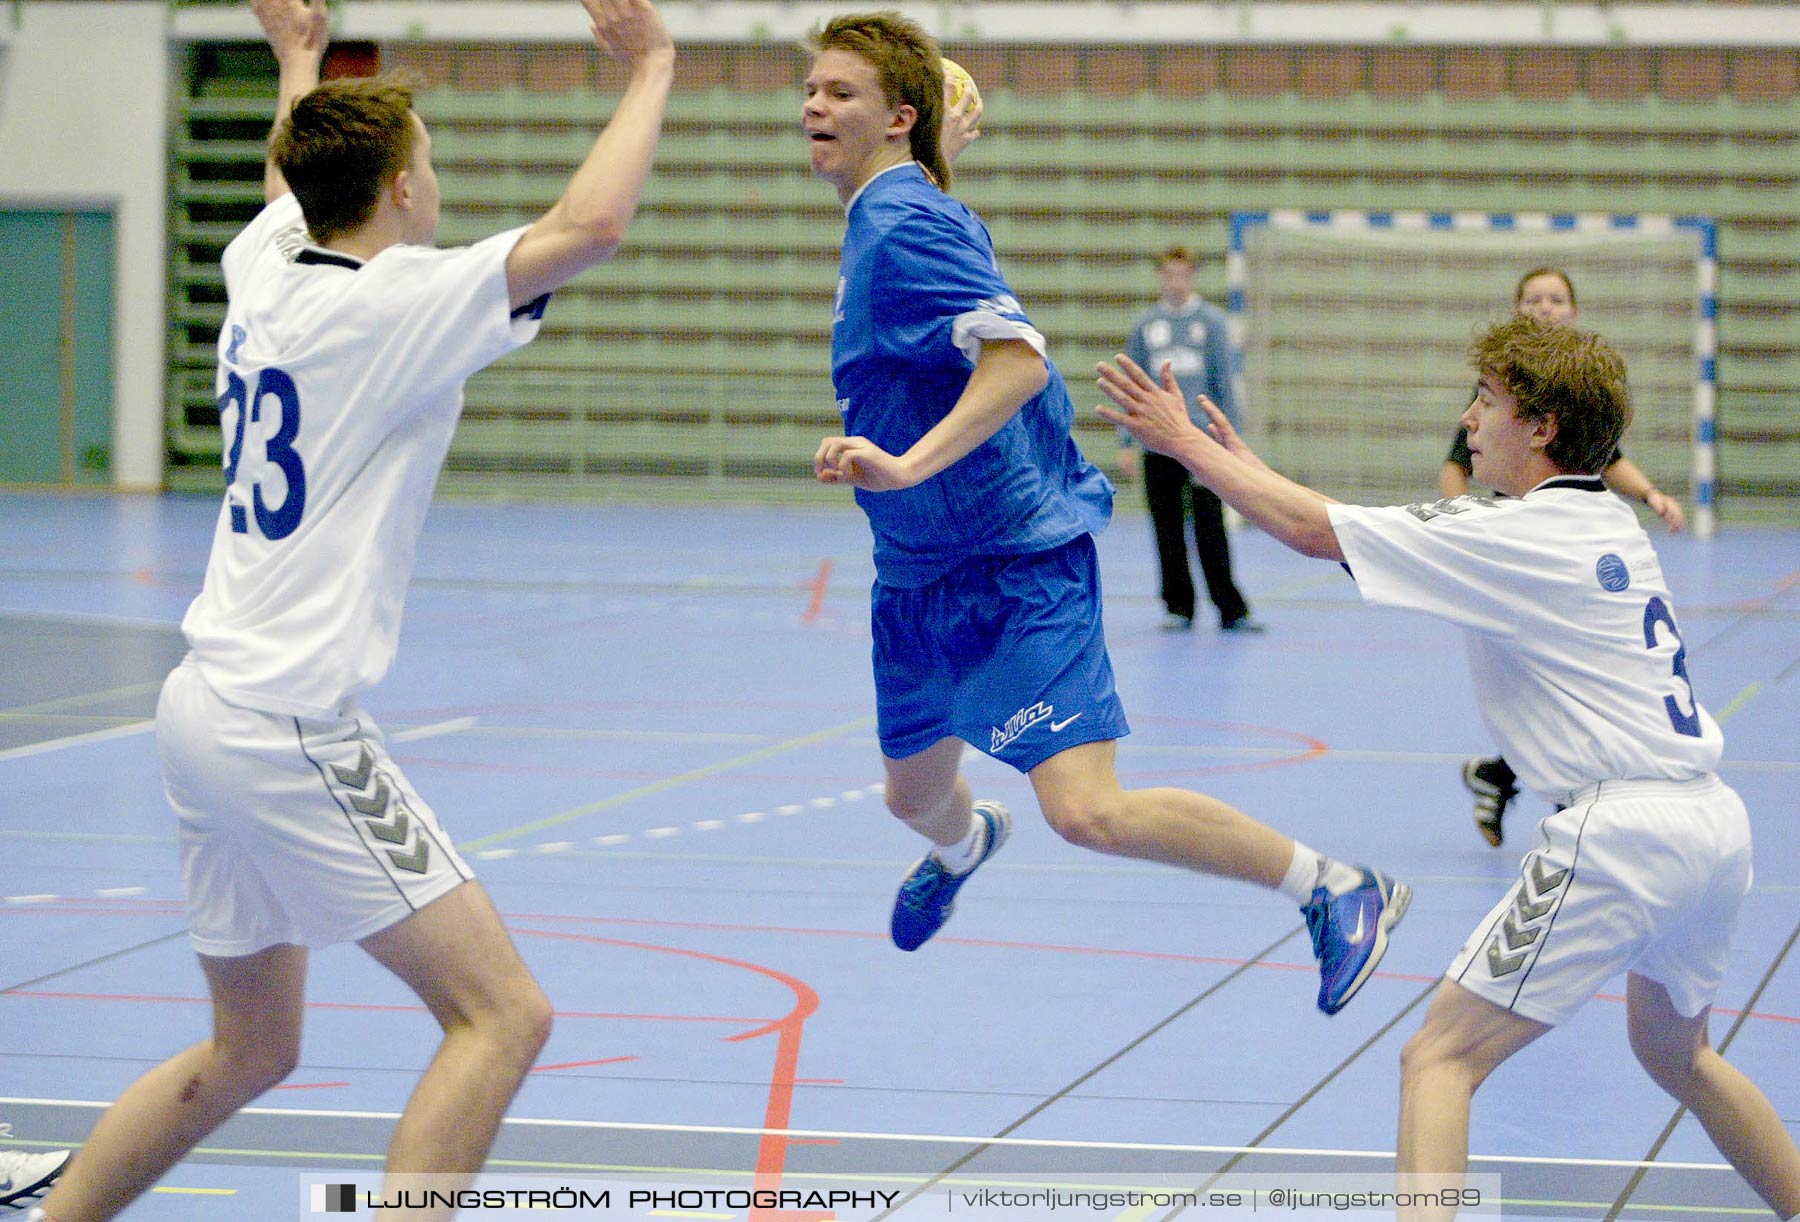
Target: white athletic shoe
{"x":25,"y":1177}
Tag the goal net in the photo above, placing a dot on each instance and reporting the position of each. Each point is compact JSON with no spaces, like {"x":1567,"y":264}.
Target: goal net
{"x":1353,"y":329}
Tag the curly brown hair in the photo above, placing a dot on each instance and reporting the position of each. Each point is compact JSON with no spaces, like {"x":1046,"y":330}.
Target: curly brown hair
{"x":340,"y":145}
{"x":1564,"y":373}
{"x":910,"y":68}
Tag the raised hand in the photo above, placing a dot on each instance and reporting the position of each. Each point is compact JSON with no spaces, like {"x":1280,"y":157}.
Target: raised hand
{"x":962,"y":122}
{"x":1153,"y":412}
{"x":294,"y":27}
{"x":631,"y":31}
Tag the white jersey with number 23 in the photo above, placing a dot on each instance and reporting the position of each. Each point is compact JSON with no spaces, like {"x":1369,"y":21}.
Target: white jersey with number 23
{"x":340,"y":383}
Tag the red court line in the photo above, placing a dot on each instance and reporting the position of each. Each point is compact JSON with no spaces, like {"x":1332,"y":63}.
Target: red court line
{"x":771,"y":1154}
{"x":761,"y":1024}
{"x":1042,"y":947}
{"x":817,"y":602}
{"x":129,"y":908}
{"x":582,"y":1064}
{"x":1765,"y":601}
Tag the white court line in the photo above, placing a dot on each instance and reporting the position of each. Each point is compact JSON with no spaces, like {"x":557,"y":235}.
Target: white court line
{"x":453,"y":726}
{"x":78,"y":740}
{"x":936,"y":1138}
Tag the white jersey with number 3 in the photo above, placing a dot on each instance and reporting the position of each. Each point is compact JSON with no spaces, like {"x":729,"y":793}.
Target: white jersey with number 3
{"x":339,"y":383}
{"x":1579,"y":663}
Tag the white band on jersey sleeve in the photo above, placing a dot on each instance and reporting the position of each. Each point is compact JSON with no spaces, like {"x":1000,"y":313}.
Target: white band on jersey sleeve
{"x":969,"y":330}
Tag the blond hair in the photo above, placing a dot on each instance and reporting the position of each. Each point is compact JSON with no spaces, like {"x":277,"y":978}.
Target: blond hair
{"x":910,"y":68}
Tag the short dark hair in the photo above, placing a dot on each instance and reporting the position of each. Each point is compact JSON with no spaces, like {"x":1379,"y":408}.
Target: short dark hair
{"x":910,"y":68}
{"x":1565,"y":373}
{"x":340,"y":145}
{"x":1548,"y":269}
{"x":1175,"y":252}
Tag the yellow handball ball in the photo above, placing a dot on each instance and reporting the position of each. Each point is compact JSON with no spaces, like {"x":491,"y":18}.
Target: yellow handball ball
{"x":961,"y":83}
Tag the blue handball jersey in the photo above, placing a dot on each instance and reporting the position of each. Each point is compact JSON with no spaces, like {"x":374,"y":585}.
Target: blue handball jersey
{"x":918,"y":292}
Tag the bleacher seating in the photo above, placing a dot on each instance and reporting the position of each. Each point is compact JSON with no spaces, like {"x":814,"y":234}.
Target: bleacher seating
{"x":702,"y":349}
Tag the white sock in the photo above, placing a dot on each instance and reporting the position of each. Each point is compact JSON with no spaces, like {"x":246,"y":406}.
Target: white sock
{"x":1311,"y":869}
{"x":961,"y":857}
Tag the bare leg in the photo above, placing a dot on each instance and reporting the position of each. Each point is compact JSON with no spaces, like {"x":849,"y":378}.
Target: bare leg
{"x":929,"y":794}
{"x":456,"y":955}
{"x":257,"y":1010}
{"x":1464,"y":1039}
{"x":1084,"y":803}
{"x":1678,"y":1056}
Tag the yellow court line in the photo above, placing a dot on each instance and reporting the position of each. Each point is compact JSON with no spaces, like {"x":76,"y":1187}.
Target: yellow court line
{"x":197,"y":1192}
{"x":86,"y":718}
{"x":1711,"y":1211}
{"x":1737,"y":702}
{"x":75,"y":702}
{"x":656,"y":787}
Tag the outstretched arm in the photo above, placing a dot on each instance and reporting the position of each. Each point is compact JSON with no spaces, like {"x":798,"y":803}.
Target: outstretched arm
{"x":587,"y":224}
{"x":297,"y":32}
{"x":1628,"y":480}
{"x":1154,"y":413}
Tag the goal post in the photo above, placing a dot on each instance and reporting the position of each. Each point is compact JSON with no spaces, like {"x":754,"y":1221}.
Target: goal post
{"x":1352,"y":328}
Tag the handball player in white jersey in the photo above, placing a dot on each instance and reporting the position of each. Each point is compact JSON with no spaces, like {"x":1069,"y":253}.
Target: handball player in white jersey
{"x":347,"y":341}
{"x":1581,"y":671}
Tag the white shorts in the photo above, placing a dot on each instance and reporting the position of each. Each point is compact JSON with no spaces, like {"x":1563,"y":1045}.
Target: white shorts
{"x":292,"y":829}
{"x":1641,"y":876}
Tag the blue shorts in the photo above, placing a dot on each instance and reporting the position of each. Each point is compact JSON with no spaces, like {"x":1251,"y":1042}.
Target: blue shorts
{"x":1005,"y":652}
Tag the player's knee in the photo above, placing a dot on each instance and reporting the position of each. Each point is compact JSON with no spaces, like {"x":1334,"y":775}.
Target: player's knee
{"x":1428,"y":1053}
{"x":1416,"y":1057}
{"x":1441,"y":1055}
{"x":527,"y":1020}
{"x":1670,"y":1066}
{"x":914,"y":806}
{"x":1087,"y":822}
{"x":263,"y":1064}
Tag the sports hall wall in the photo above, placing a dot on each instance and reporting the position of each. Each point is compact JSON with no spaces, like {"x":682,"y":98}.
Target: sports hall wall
{"x":84,"y":93}
{"x":696,"y":359}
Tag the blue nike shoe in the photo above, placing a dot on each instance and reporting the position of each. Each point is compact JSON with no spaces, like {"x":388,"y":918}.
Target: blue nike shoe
{"x":928,"y":893}
{"x":1350,"y":934}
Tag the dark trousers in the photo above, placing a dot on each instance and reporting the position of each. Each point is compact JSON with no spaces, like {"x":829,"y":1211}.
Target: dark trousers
{"x":1169,"y":491}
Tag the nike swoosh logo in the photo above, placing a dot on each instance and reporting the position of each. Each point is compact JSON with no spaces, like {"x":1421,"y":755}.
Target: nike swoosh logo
{"x":1056,"y":727}
{"x":1357,"y":933}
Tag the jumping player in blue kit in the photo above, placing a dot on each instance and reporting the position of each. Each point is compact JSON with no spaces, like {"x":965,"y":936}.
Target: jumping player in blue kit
{"x":986,"y":608}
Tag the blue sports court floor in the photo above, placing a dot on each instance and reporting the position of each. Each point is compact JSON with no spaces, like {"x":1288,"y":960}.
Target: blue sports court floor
{"x":650,"y":730}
